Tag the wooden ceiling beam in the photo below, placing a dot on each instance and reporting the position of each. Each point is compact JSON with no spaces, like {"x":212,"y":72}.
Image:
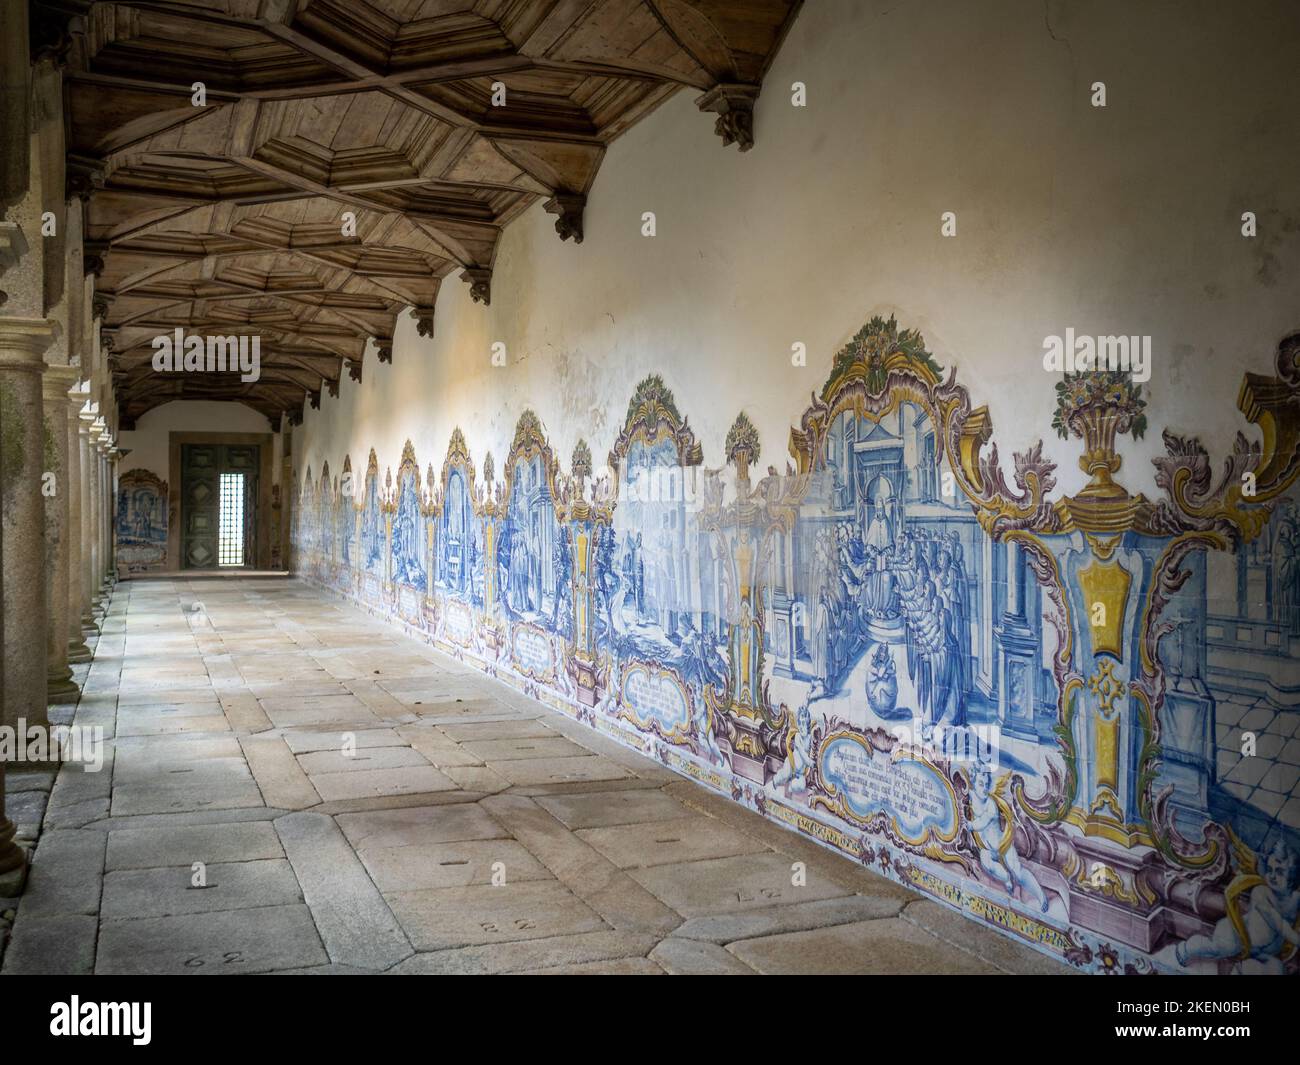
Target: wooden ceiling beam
{"x":211,"y":217}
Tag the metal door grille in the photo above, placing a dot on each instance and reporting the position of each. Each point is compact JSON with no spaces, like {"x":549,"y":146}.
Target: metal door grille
{"x":230,"y":532}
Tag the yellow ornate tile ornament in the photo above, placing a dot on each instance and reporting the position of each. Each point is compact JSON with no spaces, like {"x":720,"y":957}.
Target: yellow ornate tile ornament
{"x":1105,"y":587}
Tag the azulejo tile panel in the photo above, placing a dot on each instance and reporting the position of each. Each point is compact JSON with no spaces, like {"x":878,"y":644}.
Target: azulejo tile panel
{"x":1072,"y":717}
{"x":141,"y":527}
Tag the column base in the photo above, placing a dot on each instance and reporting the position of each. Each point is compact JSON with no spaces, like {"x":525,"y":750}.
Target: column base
{"x":62,"y":689}
{"x":13,"y":861}
{"x":78,"y":651}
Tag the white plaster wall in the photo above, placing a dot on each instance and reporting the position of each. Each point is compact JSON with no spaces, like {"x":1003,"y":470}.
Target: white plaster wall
{"x":149,"y":440}
{"x":1117,"y":220}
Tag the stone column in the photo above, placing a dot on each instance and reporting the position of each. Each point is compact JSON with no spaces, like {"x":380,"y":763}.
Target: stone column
{"x":56,"y":487}
{"x":15,"y":173}
{"x":110,"y":525}
{"x":13,"y":859}
{"x":22,"y":343}
{"x":277,"y":463}
{"x":105,"y":514}
{"x":77,"y":649}
{"x":98,"y":501}
{"x":86,"y":449}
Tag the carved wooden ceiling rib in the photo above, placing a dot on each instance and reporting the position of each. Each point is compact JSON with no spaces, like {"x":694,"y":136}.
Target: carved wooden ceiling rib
{"x":227,"y":218}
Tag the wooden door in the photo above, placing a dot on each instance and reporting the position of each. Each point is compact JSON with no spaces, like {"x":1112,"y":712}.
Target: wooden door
{"x":219,"y":505}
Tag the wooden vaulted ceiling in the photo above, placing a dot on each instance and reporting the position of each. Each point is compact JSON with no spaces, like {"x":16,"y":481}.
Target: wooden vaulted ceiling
{"x":228,"y":218}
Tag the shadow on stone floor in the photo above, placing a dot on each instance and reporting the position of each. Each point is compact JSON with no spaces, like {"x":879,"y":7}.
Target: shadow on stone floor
{"x":289,"y":786}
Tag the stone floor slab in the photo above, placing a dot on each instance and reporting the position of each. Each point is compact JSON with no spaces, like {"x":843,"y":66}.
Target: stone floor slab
{"x":528,"y":954}
{"x":65,"y":876}
{"x":597,"y":809}
{"x":888,"y":947}
{"x":964,"y":934}
{"x":26,"y":809}
{"x":476,"y":778}
{"x":618,"y":967}
{"x":608,"y":890}
{"x":172,"y":890}
{"x":152,"y":848}
{"x":728,"y":885}
{"x":685,"y":839}
{"x":497,"y":730}
{"x":355,"y":922}
{"x":436,"y":865}
{"x":160,"y":725}
{"x":409,"y":780}
{"x":227,"y":942}
{"x":693,"y":957}
{"x":134,"y":799}
{"x":304,"y":741}
{"x":418,"y":825}
{"x":52,"y":946}
{"x":278,"y":774}
{"x":558,"y":770}
{"x":466,"y":916}
{"x":792,"y":917}
{"x":517,"y":747}
{"x":359,"y":759}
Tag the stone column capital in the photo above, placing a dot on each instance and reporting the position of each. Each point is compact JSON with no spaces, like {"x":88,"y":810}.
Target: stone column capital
{"x":58,"y":379}
{"x":23,"y":342}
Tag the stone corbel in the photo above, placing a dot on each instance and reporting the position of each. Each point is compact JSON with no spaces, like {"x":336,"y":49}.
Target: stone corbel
{"x":423,"y":320}
{"x":569,"y":207}
{"x":354,"y":369}
{"x":84,"y":178}
{"x":384,"y":352}
{"x":734,"y":106}
{"x":50,"y":35}
{"x":93,"y":256}
{"x":332,"y":386}
{"x":314,"y":397}
{"x":480,"y":283}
